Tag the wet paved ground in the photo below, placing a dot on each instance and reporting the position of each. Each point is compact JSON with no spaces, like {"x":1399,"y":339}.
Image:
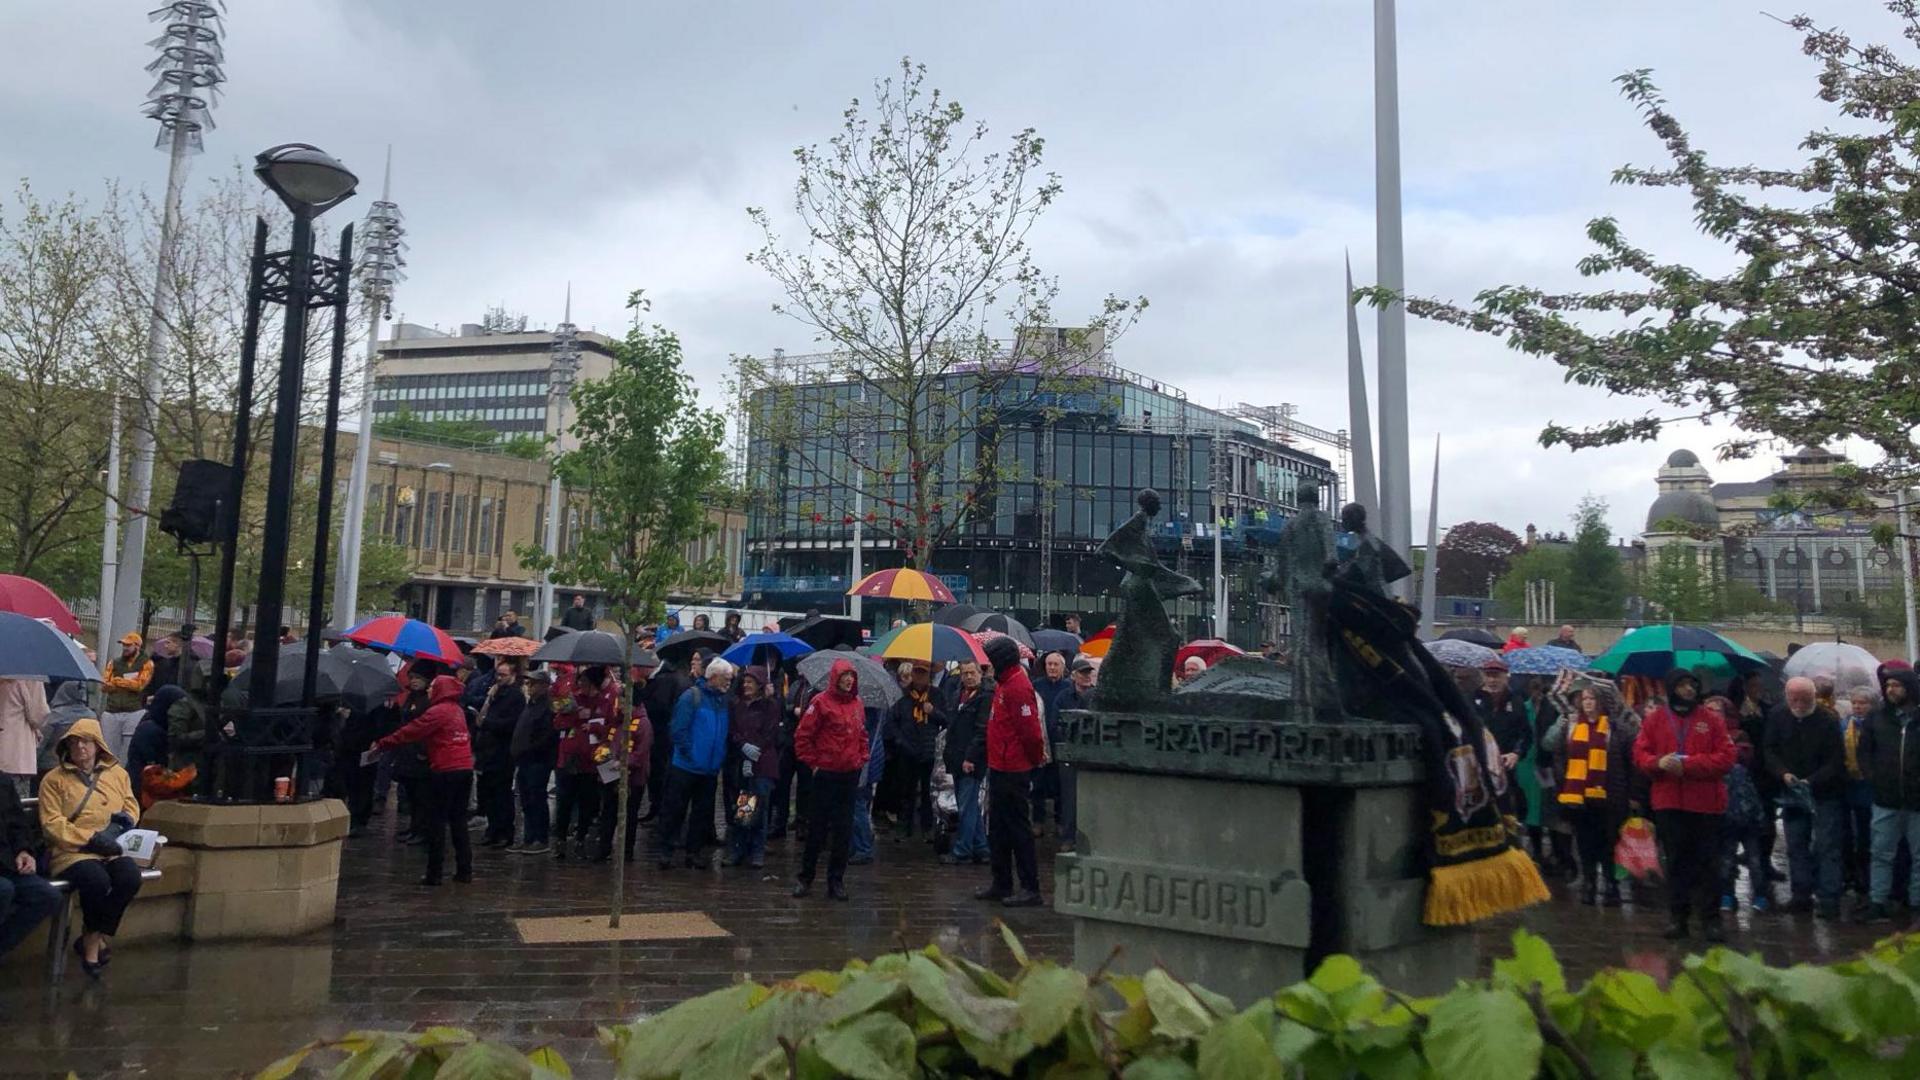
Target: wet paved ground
{"x":403,"y":956}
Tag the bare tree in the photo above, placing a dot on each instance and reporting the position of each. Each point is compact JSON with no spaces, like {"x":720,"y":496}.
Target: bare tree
{"x":915,"y":256}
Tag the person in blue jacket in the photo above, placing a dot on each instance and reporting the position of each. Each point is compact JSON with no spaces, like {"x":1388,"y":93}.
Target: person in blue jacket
{"x":699,"y":736}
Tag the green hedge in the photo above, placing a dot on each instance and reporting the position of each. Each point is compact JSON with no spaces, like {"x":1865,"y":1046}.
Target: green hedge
{"x":926,"y":1014}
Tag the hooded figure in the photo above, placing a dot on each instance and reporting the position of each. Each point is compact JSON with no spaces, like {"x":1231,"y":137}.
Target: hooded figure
{"x":76,"y":805}
{"x":443,"y":729}
{"x":68,"y":705}
{"x":85,"y":805}
{"x":149,"y":744}
{"x":832,"y":739}
{"x":1684,"y":746}
{"x":1889,"y":747}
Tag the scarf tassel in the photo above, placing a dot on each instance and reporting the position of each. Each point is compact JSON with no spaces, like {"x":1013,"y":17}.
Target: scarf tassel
{"x":1482,"y":888}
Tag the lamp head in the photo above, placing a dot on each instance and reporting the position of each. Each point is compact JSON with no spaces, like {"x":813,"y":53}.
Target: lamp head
{"x":305,"y":177}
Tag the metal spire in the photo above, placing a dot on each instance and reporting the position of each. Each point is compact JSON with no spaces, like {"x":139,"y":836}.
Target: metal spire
{"x":1430,"y":573}
{"x":1366,"y":490}
{"x":1396,"y":481}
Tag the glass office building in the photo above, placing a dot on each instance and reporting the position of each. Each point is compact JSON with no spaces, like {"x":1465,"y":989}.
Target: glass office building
{"x":1067,"y":465}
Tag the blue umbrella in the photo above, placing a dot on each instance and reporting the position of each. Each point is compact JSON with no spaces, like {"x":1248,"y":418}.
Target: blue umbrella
{"x":34,"y":651}
{"x":749,"y":649}
{"x":1545,"y":660}
{"x":1455,"y":653}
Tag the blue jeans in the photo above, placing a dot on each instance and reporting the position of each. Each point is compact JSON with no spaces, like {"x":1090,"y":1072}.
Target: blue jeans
{"x":530,"y":780}
{"x":1740,"y":849}
{"x":25,"y":900}
{"x":970,"y":842}
{"x":748,"y":843}
{"x":1814,"y":845}
{"x":1889,"y":828}
{"x":863,"y":822}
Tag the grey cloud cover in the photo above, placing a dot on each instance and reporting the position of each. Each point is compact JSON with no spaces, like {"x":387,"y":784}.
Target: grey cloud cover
{"x":1217,"y":158}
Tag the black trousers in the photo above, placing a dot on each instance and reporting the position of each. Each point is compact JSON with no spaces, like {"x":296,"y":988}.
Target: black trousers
{"x":496,"y":801}
{"x":829,"y":824}
{"x":576,"y":801}
{"x":658,"y":772}
{"x":358,"y":781}
{"x":610,"y":813}
{"x":1010,"y":830}
{"x":1592,"y":841}
{"x":106,"y":887}
{"x":688,"y":820}
{"x":916,"y":795}
{"x":446,"y":805}
{"x":1691,"y":845}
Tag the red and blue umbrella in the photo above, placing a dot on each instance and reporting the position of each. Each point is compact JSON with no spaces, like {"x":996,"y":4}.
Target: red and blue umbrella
{"x":407,"y":637}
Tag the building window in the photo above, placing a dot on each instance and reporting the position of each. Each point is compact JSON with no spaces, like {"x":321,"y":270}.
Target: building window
{"x":459,"y":531}
{"x":485,"y":546}
{"x":500,"y":528}
{"x":431,"y":524}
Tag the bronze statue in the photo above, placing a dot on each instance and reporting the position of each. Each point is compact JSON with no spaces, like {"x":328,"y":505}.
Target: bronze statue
{"x":1138,"y":670}
{"x":1307,"y":552}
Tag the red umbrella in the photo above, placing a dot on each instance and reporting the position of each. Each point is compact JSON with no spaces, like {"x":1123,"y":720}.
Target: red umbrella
{"x":984,"y":636}
{"x":1209,"y":649}
{"x":25,"y":596}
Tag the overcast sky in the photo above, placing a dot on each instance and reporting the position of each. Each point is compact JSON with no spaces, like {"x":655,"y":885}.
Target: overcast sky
{"x":1217,"y":158}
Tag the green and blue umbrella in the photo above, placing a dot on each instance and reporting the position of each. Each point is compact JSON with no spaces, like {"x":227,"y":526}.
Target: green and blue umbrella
{"x":1652,"y":651}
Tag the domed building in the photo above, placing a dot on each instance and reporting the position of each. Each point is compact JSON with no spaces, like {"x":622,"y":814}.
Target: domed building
{"x":1814,"y":561}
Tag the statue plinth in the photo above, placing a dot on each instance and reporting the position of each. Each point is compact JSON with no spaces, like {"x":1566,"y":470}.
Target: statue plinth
{"x":1240,"y":850}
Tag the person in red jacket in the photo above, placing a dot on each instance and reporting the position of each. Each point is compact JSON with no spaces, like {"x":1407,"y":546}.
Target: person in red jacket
{"x":585,"y":717}
{"x":1684,"y":746}
{"x":1016,"y":745}
{"x":832,"y":741}
{"x":443,"y":729}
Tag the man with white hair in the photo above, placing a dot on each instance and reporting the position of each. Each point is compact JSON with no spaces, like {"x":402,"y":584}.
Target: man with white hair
{"x":1805,"y":753}
{"x":1191,"y":670}
{"x":699,"y":736}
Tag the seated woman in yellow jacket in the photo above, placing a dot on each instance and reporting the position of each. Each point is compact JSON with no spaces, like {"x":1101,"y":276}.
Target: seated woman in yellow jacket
{"x":85,"y":804}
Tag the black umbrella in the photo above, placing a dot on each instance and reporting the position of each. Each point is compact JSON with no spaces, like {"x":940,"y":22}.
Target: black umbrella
{"x":829,"y":631}
{"x":1473,"y":635}
{"x":956,"y":614}
{"x":367,"y":679}
{"x":878,"y":688}
{"x":585,"y":647}
{"x":1000,"y":624}
{"x":680,"y":648}
{"x":1061,"y":641}
{"x":329,"y":679}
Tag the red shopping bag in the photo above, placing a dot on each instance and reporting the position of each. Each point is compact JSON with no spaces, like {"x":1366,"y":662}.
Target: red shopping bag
{"x":1635,"y":851}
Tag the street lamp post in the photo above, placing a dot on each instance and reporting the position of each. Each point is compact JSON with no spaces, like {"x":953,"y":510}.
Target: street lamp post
{"x":381,"y":244}
{"x":565,"y":368}
{"x":187,"y":78}
{"x":310,"y":183}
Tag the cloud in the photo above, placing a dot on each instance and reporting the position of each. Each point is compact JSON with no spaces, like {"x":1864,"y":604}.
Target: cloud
{"x":1217,"y":159}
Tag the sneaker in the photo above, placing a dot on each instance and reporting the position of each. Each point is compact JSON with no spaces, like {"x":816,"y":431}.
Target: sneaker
{"x":1025,"y":898}
{"x":948,"y":860}
{"x":1872,"y":913}
{"x":836,"y":891}
{"x":1762,"y":905}
{"x":1727,"y":903}
{"x":801,"y":888}
{"x":531,"y":849}
{"x":988,"y":892}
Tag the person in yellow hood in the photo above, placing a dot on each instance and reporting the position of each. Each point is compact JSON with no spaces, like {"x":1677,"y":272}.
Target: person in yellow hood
{"x":85,"y":804}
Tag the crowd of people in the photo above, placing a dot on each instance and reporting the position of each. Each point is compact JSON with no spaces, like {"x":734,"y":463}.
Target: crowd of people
{"x":1723,"y":773}
{"x":962,"y":757}
{"x":499,"y":753}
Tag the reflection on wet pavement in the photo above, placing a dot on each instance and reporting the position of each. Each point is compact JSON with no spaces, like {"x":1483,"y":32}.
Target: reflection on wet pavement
{"x":402,"y":956}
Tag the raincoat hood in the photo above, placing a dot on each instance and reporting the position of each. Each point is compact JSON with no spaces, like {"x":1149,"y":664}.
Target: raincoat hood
{"x":1674,"y":679}
{"x":444,"y":688}
{"x":833,"y":681}
{"x":89,"y":729}
{"x":68,"y":695}
{"x":163,"y":700}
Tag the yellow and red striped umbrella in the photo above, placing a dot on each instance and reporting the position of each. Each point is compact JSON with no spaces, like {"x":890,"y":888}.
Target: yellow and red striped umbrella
{"x":932,"y":643}
{"x":902,"y":584}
